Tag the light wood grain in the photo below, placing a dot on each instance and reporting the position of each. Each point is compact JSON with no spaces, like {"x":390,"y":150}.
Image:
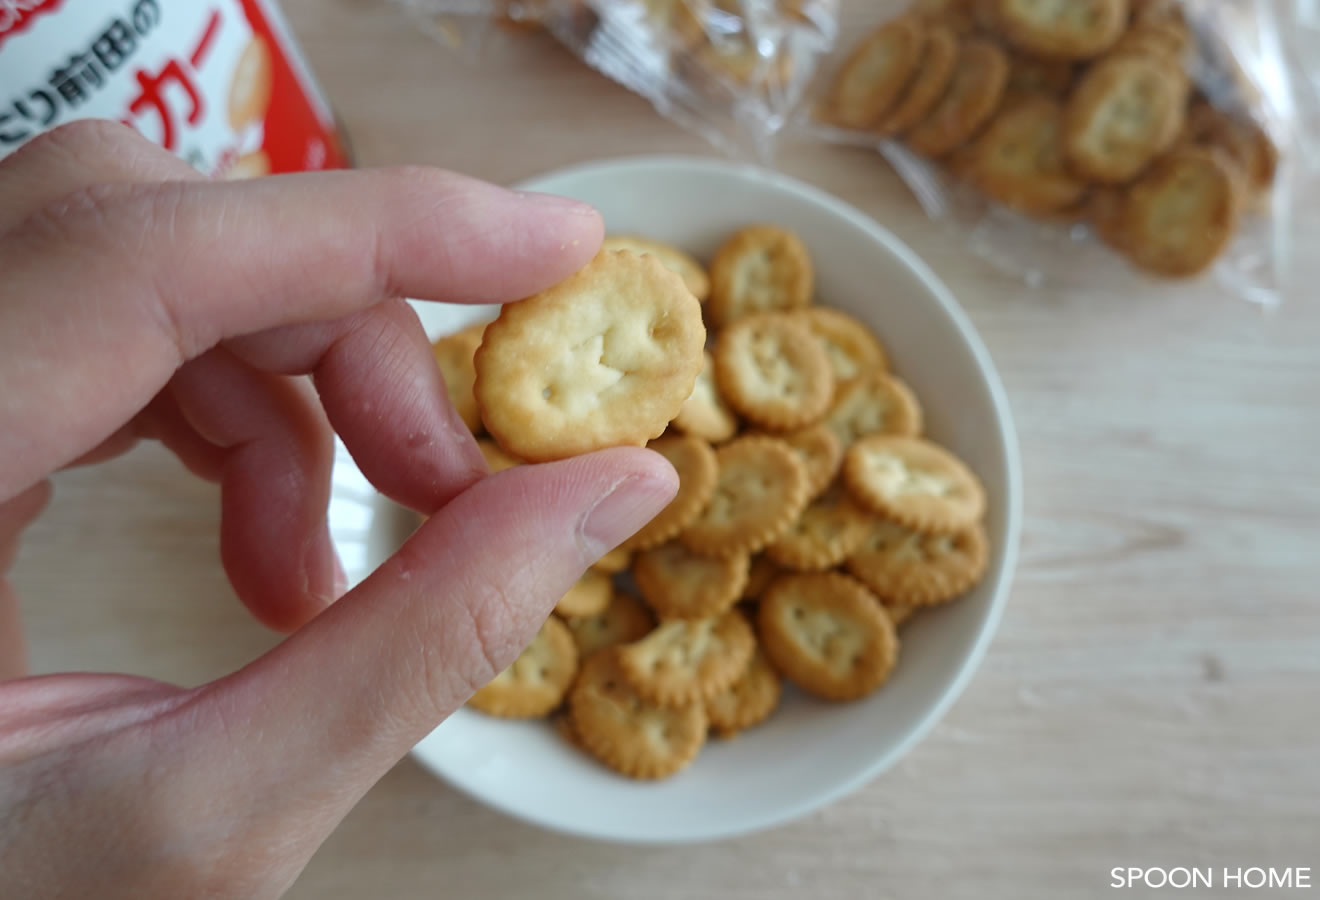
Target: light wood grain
{"x":1151,"y":697}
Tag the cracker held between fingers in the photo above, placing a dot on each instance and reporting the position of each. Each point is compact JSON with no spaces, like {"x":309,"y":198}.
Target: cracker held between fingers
{"x":695,"y":463}
{"x":828,"y":634}
{"x":974,"y":94}
{"x":762,"y":268}
{"x":1127,"y":110}
{"x":604,"y":358}
{"x":762,"y":488}
{"x":913,"y":482}
{"x":623,"y":621}
{"x":679,"y":584}
{"x":907,"y":568}
{"x":1061,"y":29}
{"x":851,"y":347}
{"x":873,"y":403}
{"x":688,"y":661}
{"x":453,"y":354}
{"x":538,"y":679}
{"x":496,"y":459}
{"x":626,"y":732}
{"x":826,"y":533}
{"x":748,"y":701}
{"x":704,"y":414}
{"x":773,"y":371}
{"x":671,"y":257}
{"x":874,"y":76}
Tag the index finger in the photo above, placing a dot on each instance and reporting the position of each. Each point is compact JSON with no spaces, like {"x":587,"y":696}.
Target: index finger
{"x":109,"y":290}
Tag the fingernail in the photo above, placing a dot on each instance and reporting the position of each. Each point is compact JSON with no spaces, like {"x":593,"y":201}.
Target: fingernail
{"x":555,"y":203}
{"x":621,"y":513}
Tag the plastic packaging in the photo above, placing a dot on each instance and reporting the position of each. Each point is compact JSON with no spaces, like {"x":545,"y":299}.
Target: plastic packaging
{"x":1231,"y":75}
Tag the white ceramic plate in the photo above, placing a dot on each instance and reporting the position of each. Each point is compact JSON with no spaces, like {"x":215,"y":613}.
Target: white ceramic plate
{"x":809,"y":753}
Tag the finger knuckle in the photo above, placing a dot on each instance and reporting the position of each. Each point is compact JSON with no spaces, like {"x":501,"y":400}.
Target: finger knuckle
{"x":81,"y":141}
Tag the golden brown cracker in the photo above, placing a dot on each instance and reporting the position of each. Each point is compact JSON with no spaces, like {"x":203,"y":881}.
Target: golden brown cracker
{"x":588,"y":597}
{"x":906,"y":568}
{"x":1061,"y":29}
{"x":626,"y":732}
{"x":1163,"y":38}
{"x":828,"y":634}
{"x":827,"y":533}
{"x":1127,"y":110}
{"x":623,"y":621}
{"x":1019,"y":159}
{"x":1047,"y":77}
{"x":926,"y":88}
{"x":688,"y":661}
{"x":876,"y":73}
{"x":1243,"y":139}
{"x":761,"y":490}
{"x":820,"y":451}
{"x":671,"y":257}
{"x":454,"y":355}
{"x":913,"y":482}
{"x":979,"y":79}
{"x":851,"y":347}
{"x":1180,"y":216}
{"x":538,"y":679}
{"x":605,"y":357}
{"x":873,"y":403}
{"x":763,"y":571}
{"x":252,"y":86}
{"x":680,"y":584}
{"x":901,"y":613}
{"x":698,"y":473}
{"x":773,"y":371}
{"x":761,"y":268}
{"x":748,"y":701}
{"x":705,"y":414}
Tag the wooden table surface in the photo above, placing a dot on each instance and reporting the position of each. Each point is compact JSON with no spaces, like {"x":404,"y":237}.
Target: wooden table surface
{"x":1152,"y":697}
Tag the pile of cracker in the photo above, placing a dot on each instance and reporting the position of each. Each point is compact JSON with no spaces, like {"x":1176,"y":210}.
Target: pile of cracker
{"x":1072,"y":112}
{"x":812,"y":520}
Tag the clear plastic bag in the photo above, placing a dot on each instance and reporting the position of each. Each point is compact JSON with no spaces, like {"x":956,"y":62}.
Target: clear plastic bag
{"x":1244,"y":103}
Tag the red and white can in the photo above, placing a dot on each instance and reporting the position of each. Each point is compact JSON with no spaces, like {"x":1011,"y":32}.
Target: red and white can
{"x":219,"y":82}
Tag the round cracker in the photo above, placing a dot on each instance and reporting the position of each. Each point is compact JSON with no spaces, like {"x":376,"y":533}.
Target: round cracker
{"x":762,"y":573}
{"x":671,"y":257}
{"x":820,"y":451}
{"x":1180,"y":216}
{"x":588,"y":597}
{"x":688,"y":661}
{"x":873,"y":403}
{"x":605,"y":357}
{"x":934,"y":74}
{"x":1047,"y":77}
{"x":908,"y":569}
{"x":761,"y":490}
{"x":979,"y":79}
{"x":774,"y":371}
{"x":828,"y":634}
{"x":850,"y":345}
{"x":496,"y":459}
{"x":874,"y":76}
{"x":762,"y":268}
{"x":680,"y":584}
{"x":748,"y":701}
{"x":537,"y":680}
{"x":1065,"y":29}
{"x":624,"y":731}
{"x":1019,"y":160}
{"x":698,"y":473}
{"x":624,"y":620}
{"x":1126,"y":111}
{"x":705,"y":414}
{"x":913,"y":482}
{"x":613,"y":562}
{"x":827,"y":533}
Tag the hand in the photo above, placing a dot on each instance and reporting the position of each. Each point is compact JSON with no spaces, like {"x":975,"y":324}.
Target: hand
{"x":140,"y":301}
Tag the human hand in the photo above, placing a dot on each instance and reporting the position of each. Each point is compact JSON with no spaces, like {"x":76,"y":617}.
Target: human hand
{"x":141,"y":301}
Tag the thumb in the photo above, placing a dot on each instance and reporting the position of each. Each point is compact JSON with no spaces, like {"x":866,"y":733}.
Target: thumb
{"x":313,"y":724}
